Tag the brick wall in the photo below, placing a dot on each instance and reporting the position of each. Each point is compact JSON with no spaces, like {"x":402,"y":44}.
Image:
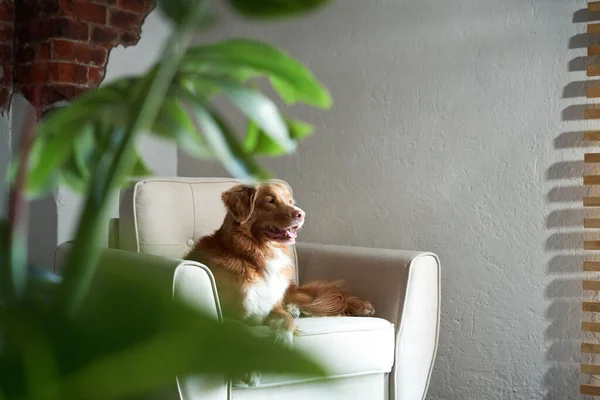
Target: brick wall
{"x":62,"y":46}
{"x":7,"y":17}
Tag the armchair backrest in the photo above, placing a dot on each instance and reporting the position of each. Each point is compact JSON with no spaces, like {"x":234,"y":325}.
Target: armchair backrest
{"x":166,"y":216}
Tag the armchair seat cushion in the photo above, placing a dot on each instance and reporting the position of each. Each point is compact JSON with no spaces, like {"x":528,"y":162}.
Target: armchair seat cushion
{"x":345,"y":346}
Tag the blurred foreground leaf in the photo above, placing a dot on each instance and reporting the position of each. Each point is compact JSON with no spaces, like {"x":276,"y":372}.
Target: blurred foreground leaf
{"x":130,"y":337}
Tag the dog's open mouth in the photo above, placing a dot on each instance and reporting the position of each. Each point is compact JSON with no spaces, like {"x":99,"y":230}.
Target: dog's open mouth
{"x":287,"y":234}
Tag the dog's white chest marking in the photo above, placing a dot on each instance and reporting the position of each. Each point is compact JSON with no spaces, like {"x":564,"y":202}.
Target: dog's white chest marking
{"x":261,"y":297}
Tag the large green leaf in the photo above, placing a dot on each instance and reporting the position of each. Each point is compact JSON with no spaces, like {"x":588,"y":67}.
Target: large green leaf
{"x":108,"y":103}
{"x":260,"y":109}
{"x":294,"y":82}
{"x":259,"y":143}
{"x":140,"y":168}
{"x":62,"y":134}
{"x":223,"y":143}
{"x":275,"y":8}
{"x":193,"y":76}
{"x":51,"y":180}
{"x":174,"y":122}
{"x":70,"y":176}
{"x":299,"y":129}
{"x":48,"y":154}
{"x":85,"y":150}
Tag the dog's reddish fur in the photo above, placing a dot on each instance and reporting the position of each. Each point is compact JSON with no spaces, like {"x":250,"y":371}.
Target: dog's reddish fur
{"x":324,"y":299}
{"x":241,"y":250}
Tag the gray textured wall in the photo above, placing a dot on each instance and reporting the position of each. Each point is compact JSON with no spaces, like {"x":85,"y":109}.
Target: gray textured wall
{"x":454,"y":130}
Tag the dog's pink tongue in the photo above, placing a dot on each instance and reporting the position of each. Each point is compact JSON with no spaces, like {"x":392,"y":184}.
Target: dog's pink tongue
{"x":283,"y":233}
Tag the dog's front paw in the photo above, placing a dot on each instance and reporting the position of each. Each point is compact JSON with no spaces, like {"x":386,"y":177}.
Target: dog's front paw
{"x":293,"y":310}
{"x":253,"y":379}
{"x":284,"y":337}
{"x":281,"y":333}
{"x":248,"y":379}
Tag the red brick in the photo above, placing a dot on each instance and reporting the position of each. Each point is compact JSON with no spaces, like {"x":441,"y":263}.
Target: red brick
{"x":63,"y":50}
{"x":149,"y":4}
{"x":51,"y":96}
{"x":68,"y":28}
{"x":7,"y":76}
{"x":35,"y":94}
{"x":96,"y":75}
{"x":125,"y":20}
{"x":25,"y":55}
{"x":62,"y":72}
{"x":34,"y":73}
{"x":7,"y":32}
{"x":6,"y":11}
{"x":136,"y":6}
{"x":96,"y":56}
{"x":43,"y":52}
{"x":80,"y":74}
{"x":23,"y":34}
{"x":68,"y":73}
{"x":6,"y":53}
{"x":85,"y":53}
{"x":104,"y":35}
{"x":4,"y":98}
{"x":35,"y":32}
{"x":26,"y":12}
{"x":65,"y":92}
{"x":48,"y":7}
{"x":54,"y":94}
{"x":86,"y":11}
{"x":129,"y":39}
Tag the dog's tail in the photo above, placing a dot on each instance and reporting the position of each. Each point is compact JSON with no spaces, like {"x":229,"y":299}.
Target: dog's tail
{"x":319,"y":299}
{"x":323,"y":299}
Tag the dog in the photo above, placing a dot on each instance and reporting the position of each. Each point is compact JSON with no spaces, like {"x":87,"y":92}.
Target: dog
{"x":250,"y":258}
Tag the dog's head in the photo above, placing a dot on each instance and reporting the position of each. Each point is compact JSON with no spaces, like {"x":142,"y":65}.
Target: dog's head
{"x":267,"y":211}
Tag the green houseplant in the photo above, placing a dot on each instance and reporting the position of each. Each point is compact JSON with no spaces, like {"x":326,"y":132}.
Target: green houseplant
{"x":58,"y":338}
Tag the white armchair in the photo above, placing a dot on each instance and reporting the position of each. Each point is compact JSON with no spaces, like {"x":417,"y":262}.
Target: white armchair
{"x":389,"y":356}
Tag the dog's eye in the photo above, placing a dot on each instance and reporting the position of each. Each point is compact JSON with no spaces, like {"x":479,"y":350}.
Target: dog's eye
{"x":271,"y":201}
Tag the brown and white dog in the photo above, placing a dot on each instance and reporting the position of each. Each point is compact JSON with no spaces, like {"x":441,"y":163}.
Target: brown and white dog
{"x":250,"y":258}
{"x":249,"y":254}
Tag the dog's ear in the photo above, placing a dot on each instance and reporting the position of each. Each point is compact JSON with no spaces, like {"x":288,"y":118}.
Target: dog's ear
{"x":239,"y":201}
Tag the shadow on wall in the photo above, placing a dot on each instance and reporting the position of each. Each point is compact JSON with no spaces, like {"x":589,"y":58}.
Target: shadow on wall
{"x":566,"y":236}
{"x":564,"y":292}
{"x":43,"y":217}
{"x":573,"y":112}
{"x":568,"y":140}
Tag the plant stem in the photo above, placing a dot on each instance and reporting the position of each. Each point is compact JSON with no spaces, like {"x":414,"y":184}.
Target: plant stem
{"x":85,"y":254}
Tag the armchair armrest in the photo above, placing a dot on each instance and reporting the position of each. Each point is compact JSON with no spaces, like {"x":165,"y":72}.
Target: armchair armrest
{"x":404,"y":287}
{"x":188,"y":281}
